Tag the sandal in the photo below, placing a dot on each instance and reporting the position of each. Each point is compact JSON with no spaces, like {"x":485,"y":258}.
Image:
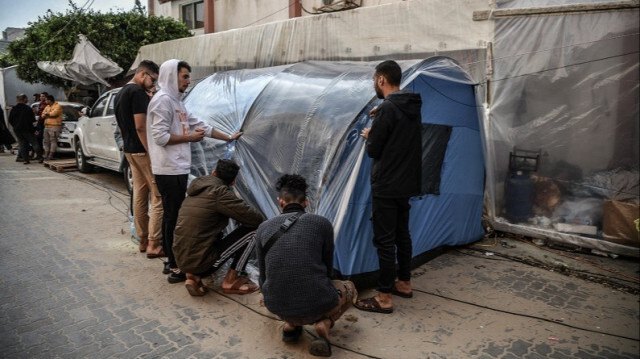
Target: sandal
{"x":194,"y":288}
{"x":372,"y":305}
{"x":238,"y":283}
{"x":320,"y":348}
{"x":156,"y":255}
{"x":395,"y":291}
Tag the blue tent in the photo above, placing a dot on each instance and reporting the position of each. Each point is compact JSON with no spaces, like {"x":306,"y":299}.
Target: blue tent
{"x":306,"y":118}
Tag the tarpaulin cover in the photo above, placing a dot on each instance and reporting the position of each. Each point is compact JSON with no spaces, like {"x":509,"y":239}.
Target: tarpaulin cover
{"x":87,"y":66}
{"x":306,"y":118}
{"x":520,"y":4}
{"x":402,"y":30}
{"x":567,"y":86}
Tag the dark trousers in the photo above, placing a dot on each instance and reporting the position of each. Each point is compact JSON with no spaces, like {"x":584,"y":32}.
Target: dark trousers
{"x":237,"y":246}
{"x":391,"y":235}
{"x":25,"y":139}
{"x":172,"y":189}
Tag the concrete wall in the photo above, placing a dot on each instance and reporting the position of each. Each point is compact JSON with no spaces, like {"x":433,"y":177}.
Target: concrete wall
{"x":234,"y":14}
{"x":11,"y":86}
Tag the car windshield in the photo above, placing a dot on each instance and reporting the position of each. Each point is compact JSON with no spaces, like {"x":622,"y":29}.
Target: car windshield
{"x":70,"y":113}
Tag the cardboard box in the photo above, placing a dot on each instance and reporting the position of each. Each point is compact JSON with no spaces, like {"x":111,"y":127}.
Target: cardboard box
{"x":620,"y":223}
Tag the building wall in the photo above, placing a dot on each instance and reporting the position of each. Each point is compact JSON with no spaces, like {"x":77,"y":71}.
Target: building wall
{"x":234,"y":14}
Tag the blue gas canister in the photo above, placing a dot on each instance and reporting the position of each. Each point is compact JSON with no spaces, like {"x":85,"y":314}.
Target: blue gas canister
{"x":519,"y":197}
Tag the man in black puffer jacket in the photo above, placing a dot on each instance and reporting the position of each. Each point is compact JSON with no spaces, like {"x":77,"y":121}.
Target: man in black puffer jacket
{"x":295,"y":269}
{"x":394,"y":142}
{"x":22,"y":119}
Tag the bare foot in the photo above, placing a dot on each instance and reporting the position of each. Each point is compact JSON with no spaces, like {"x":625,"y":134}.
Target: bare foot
{"x":288,"y":327}
{"x":403,"y":286}
{"x":384,"y":300}
{"x":154,"y":247}
{"x":323,"y":328}
{"x":143,"y":245}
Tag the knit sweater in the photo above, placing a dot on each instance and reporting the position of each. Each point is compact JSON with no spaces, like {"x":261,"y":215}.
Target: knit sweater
{"x":295,"y":274}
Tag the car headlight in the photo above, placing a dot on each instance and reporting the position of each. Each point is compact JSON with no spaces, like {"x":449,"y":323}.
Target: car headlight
{"x":69,"y":127}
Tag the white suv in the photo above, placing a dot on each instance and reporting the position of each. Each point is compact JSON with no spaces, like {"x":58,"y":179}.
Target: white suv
{"x":94,"y":142}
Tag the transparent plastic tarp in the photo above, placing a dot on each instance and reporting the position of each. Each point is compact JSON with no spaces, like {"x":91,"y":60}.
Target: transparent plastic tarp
{"x":520,"y":4}
{"x":565,"y":88}
{"x":306,"y":119}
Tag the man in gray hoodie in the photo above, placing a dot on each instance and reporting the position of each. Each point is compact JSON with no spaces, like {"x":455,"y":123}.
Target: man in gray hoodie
{"x":170,"y":129}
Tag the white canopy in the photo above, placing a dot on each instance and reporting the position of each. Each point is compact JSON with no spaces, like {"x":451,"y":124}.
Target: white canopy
{"x":87,"y":66}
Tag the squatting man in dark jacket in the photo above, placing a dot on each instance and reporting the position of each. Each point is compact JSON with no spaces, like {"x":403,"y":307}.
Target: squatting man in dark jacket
{"x":394,"y":142}
{"x":199,"y":246}
{"x":295,"y":256}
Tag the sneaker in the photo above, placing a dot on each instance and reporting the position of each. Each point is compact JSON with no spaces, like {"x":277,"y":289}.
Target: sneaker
{"x":176,"y":276}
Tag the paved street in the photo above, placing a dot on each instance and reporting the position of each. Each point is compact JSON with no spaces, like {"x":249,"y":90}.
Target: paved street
{"x":73,"y":285}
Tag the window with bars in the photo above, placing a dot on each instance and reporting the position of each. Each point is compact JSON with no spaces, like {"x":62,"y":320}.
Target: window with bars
{"x":193,"y":15}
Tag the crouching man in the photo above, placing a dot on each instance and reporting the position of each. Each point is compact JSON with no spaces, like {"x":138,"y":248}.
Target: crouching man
{"x":295,"y":255}
{"x":199,"y":246}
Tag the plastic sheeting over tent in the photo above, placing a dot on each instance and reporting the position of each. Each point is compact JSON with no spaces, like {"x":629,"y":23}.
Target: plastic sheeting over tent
{"x":306,"y":118}
{"x":87,"y":66}
{"x":410,"y":30}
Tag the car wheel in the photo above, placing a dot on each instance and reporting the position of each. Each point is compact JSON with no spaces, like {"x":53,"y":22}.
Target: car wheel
{"x":128,"y":177}
{"x":81,"y":160}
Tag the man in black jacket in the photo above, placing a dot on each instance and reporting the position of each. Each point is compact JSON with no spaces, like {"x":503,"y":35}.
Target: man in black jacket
{"x":394,"y":143}
{"x":22,"y":118}
{"x":295,"y":268}
{"x":6,"y":138}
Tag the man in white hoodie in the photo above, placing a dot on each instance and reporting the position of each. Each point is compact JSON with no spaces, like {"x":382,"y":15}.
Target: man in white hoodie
{"x":171,"y":128}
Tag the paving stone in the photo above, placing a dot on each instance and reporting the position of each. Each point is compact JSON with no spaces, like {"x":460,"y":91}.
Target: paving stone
{"x":155,"y":338}
{"x":519,"y":348}
{"x":111,"y":351}
{"x":185,"y":352}
{"x":74,"y":286}
{"x":130,"y":338}
{"x":136,"y":351}
{"x":179,"y":338}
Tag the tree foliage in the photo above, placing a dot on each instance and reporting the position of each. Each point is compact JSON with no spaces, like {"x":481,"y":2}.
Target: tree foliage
{"x":117,"y":35}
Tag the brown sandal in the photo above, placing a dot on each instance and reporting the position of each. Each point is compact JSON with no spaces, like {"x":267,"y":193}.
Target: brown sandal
{"x":372,"y":305}
{"x":238,"y":283}
{"x":194,"y":288}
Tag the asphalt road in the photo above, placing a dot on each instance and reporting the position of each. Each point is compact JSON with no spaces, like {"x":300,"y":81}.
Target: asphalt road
{"x":73,"y":285}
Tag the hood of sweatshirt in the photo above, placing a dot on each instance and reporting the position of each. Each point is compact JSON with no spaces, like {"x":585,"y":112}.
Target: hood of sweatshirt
{"x":168,"y":79}
{"x":408,"y":102}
